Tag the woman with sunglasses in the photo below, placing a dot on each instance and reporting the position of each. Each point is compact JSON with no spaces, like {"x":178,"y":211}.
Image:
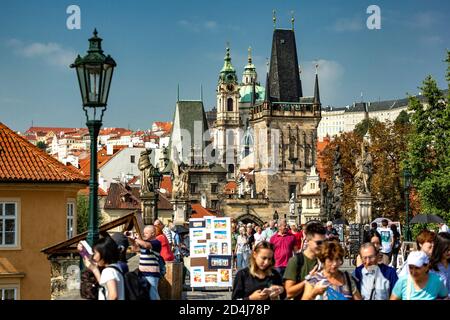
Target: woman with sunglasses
{"x":330,"y":283}
{"x":419,"y":284}
{"x":440,"y":258}
{"x":259,"y":281}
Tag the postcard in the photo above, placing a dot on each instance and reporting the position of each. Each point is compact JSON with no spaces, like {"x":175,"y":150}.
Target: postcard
{"x":211,"y":278}
{"x":220,"y":223}
{"x":198,"y":250}
{"x":220,"y":235}
{"x":219,"y":262}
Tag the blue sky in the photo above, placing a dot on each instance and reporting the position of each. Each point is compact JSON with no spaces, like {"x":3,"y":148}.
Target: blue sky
{"x":159,"y":44}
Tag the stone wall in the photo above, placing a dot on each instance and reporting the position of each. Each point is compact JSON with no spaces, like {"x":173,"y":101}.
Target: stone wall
{"x":65,"y":277}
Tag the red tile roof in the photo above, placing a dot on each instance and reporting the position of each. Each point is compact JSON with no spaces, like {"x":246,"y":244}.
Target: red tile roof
{"x":117,"y":131}
{"x":50,"y":129}
{"x":166,"y":184}
{"x":164,"y":126}
{"x":199,"y":212}
{"x":21,"y":161}
{"x":230,"y":187}
{"x":102,"y":159}
{"x":85,"y":192}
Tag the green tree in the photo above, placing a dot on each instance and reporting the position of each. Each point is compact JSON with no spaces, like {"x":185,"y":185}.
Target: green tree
{"x":362,"y":127}
{"x":83,"y":214}
{"x":402,"y":118}
{"x":41,"y":145}
{"x":428,"y":156}
{"x":388,"y":146}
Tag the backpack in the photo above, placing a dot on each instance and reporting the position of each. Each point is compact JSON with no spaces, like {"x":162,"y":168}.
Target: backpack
{"x":136,"y":285}
{"x":88,"y":285}
{"x":300,"y":261}
{"x":162,"y":264}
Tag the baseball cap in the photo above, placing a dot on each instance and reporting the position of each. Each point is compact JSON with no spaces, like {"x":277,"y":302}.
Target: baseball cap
{"x":418,"y":259}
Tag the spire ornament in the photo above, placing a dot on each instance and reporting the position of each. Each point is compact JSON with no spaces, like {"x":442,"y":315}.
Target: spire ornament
{"x":292,"y":19}
{"x":274,"y":18}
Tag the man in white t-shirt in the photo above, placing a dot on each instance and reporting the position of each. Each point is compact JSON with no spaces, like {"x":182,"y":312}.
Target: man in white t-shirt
{"x":258,"y":235}
{"x":387,"y":241}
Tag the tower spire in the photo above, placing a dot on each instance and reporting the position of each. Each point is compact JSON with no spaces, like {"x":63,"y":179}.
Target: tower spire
{"x":267,"y":97}
{"x":300,"y":79}
{"x":178,"y":92}
{"x":201,"y":92}
{"x":316,"y":87}
{"x":274,"y":19}
{"x":292,"y":19}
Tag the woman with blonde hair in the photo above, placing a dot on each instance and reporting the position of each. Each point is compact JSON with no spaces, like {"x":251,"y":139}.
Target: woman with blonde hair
{"x":259,"y":281}
{"x":329,"y":283}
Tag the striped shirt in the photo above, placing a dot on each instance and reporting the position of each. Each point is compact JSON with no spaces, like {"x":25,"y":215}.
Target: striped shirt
{"x":148,"y":260}
{"x":168,"y":234}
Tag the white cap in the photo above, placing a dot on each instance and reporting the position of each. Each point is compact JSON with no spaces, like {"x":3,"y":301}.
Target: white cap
{"x":418,"y":259}
{"x":329,"y":223}
{"x":249,"y":225}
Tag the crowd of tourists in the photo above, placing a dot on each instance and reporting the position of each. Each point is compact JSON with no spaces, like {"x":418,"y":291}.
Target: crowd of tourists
{"x":286,"y":261}
{"x":108,"y":263}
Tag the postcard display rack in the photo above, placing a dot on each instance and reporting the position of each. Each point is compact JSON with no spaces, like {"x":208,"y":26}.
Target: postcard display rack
{"x":210,"y":252}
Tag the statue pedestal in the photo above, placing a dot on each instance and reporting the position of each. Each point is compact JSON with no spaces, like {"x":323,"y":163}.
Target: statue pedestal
{"x":180,"y":211}
{"x":148,"y":207}
{"x":363,"y":208}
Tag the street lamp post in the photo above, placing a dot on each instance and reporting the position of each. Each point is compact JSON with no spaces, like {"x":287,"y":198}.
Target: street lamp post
{"x":94,"y":73}
{"x":407,"y":185}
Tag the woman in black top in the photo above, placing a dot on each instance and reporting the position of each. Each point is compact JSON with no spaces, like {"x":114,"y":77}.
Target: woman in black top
{"x":396,"y":246}
{"x":259,"y":281}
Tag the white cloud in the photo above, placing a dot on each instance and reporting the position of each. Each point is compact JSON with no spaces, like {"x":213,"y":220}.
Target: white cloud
{"x":52,"y":53}
{"x":198,"y":26}
{"x":331,"y":75}
{"x":349,"y":24}
{"x":210,"y":25}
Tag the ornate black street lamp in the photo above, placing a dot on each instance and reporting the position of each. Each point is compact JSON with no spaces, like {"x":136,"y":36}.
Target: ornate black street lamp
{"x":407,"y":186}
{"x":94,"y":72}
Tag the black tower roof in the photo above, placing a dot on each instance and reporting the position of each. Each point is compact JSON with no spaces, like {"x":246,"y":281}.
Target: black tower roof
{"x":284,"y":78}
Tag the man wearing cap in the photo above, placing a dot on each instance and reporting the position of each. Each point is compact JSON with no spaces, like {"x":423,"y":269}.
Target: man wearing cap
{"x":420,"y":284}
{"x":374,"y":281}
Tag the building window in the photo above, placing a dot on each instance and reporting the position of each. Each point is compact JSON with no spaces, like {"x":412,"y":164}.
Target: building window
{"x":214,"y":204}
{"x":132,"y":159}
{"x":8,"y":294}
{"x":309,"y":203}
{"x":8,"y":224}
{"x":70,"y":219}
{"x":230,"y":104}
{"x":313,"y":185}
{"x":214,"y":188}
{"x":293,"y":190}
{"x":194,"y":188}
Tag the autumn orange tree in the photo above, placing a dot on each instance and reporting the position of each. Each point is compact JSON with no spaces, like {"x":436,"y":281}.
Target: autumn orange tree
{"x":388,"y":145}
